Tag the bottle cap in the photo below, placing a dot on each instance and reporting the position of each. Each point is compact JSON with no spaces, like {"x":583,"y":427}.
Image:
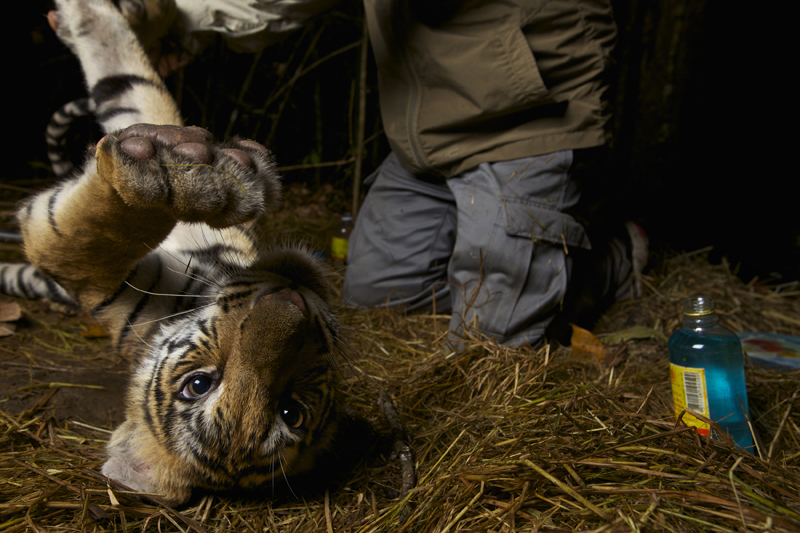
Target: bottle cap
{"x":698,"y":306}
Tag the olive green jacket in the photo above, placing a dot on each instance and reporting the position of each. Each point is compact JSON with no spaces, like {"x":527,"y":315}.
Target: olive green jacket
{"x":462,"y":82}
{"x":491,"y":81}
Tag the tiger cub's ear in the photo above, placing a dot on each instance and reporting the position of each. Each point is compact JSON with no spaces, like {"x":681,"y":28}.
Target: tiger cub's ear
{"x":136,"y":460}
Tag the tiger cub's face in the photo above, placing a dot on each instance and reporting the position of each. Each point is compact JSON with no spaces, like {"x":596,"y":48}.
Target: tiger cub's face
{"x":238,"y":393}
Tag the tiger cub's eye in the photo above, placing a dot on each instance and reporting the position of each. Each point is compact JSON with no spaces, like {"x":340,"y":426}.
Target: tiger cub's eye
{"x":197,"y":387}
{"x":292,"y":414}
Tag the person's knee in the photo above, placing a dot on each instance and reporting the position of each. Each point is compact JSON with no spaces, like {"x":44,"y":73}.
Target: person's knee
{"x":361,"y":286}
{"x":368,"y":284}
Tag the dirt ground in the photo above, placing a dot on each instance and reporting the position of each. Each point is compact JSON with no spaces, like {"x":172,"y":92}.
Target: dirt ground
{"x":47,"y":364}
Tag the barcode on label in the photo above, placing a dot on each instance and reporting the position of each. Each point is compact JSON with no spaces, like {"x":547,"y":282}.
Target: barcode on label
{"x":695,"y":395}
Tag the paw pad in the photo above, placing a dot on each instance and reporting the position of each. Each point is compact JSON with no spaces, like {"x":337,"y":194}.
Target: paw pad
{"x":185,"y":171}
{"x":192,"y":143}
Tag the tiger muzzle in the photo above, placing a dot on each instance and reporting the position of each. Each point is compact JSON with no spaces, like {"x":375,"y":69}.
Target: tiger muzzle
{"x":276,"y":340}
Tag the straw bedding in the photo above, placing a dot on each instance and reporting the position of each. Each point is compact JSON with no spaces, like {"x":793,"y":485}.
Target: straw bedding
{"x":487,"y":439}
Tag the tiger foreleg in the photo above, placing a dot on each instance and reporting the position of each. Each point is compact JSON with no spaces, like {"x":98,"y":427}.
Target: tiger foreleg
{"x":89,"y":232}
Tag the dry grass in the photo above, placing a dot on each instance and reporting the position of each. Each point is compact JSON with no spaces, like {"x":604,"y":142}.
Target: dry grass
{"x":503,"y":440}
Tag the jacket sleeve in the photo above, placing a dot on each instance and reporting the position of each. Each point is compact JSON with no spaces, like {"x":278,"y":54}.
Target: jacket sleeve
{"x":247,"y":25}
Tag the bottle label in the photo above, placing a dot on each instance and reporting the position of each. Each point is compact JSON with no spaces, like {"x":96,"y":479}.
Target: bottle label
{"x":339,"y":248}
{"x":689,"y":391}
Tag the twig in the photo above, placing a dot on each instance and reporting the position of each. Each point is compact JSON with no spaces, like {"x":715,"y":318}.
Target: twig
{"x":40,"y":403}
{"x":735,"y":492}
{"x":328,"y":520}
{"x":55,"y":385}
{"x":289,"y":85}
{"x":780,"y":428}
{"x":240,"y":99}
{"x":750,"y":427}
{"x":316,"y":165}
{"x":401,"y":449}
{"x":362,"y":114}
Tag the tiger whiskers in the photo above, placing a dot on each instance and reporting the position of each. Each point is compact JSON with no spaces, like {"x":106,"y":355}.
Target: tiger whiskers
{"x":186,"y":312}
{"x":228,"y":266}
{"x":202,"y":279}
{"x":184,"y":295}
{"x":341,"y":358}
{"x":344,"y":353}
{"x":193,"y":275}
{"x":283,"y":472}
{"x":132,"y":327}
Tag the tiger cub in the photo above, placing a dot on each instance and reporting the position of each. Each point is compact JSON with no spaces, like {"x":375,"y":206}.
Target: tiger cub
{"x":234,"y":349}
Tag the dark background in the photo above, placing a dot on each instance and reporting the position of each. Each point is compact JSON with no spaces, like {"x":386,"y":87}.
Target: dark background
{"x":703,"y":115}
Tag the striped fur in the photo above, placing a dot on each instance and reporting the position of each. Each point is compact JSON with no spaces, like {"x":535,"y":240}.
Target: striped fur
{"x":233,"y":347}
{"x":57,"y":131}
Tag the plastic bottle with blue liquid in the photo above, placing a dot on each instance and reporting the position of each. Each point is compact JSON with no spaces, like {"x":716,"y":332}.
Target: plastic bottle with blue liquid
{"x":707,"y":372}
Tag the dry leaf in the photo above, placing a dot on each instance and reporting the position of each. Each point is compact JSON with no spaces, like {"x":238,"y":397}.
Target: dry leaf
{"x":93,"y":329}
{"x":113,"y":498}
{"x":586,"y":346}
{"x":10,"y":312}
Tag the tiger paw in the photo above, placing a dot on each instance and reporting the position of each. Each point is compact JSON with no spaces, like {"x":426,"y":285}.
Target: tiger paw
{"x":184,"y":171}
{"x":75,"y":20}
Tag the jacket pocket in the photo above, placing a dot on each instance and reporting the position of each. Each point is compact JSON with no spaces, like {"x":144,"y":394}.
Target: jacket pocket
{"x":468,"y":77}
{"x":522,"y":70}
{"x":541,"y":224}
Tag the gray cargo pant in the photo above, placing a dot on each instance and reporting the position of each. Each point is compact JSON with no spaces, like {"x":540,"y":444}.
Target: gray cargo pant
{"x":491,"y":245}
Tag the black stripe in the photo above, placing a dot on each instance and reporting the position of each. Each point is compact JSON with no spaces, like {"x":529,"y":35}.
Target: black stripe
{"x":261,"y":470}
{"x":173,"y":345}
{"x":3,"y":285}
{"x":111,"y":299}
{"x":55,"y":292}
{"x":51,"y":209}
{"x":102,"y":117}
{"x":23,"y":288}
{"x":326,"y":418}
{"x":158,"y":398}
{"x":203,"y":326}
{"x":112,"y":87}
{"x":144,"y":300}
{"x":226,"y":301}
{"x":203,"y":458}
{"x":187,"y":299}
{"x":176,"y":368}
{"x":213,"y":254}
